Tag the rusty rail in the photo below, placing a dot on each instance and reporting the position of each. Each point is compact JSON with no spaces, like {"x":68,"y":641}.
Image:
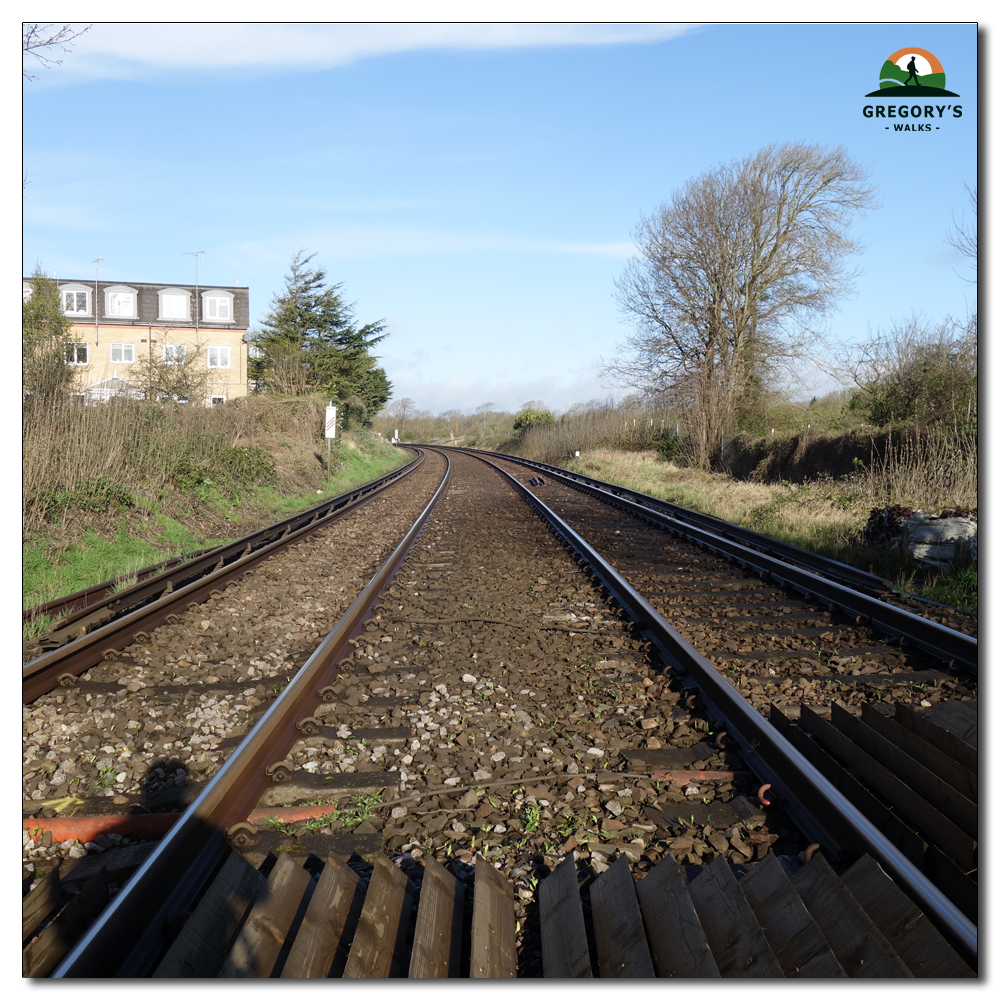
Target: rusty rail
{"x":954,"y":648}
{"x":817,"y":805}
{"x":160,"y":599}
{"x":129,"y":935}
{"x":97,"y":604}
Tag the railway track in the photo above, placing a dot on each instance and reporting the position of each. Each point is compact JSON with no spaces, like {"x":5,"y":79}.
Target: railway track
{"x":500,"y":697}
{"x":103,"y":615}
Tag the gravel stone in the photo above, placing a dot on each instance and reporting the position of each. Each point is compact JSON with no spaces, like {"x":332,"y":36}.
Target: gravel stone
{"x":148,"y":719}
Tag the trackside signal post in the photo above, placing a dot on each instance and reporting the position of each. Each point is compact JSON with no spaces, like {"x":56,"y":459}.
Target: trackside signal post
{"x":331,"y":432}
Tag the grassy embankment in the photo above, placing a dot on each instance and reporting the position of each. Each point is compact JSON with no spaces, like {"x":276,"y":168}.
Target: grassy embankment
{"x":812,"y":488}
{"x":823,"y":517}
{"x":111,"y":489}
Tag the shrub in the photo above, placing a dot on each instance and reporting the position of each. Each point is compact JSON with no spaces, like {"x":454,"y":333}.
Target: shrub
{"x":530,"y":417}
{"x":97,"y":495}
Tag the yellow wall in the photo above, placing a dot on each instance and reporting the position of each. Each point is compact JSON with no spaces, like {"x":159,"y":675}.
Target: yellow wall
{"x":229,"y":382}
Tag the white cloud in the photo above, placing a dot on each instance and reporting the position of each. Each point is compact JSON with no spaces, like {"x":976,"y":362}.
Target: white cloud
{"x":132,"y":50}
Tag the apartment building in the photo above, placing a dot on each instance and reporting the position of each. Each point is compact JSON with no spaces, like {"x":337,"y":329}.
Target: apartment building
{"x":115,"y":324}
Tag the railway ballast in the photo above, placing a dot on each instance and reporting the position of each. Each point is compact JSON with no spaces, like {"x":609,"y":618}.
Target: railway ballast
{"x":501,"y":696}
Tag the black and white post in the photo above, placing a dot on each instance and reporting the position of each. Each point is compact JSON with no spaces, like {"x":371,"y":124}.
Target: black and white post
{"x":331,"y":432}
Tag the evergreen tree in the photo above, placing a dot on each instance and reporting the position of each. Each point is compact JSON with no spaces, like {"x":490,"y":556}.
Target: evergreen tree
{"x":309,"y":342}
{"x":44,"y":340}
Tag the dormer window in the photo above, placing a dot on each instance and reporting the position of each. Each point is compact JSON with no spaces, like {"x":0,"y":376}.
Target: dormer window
{"x":75,"y":300}
{"x":217,"y":307}
{"x":175,"y":304}
{"x":120,"y":302}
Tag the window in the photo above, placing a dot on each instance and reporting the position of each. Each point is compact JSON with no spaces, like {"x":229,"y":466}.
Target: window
{"x":255,"y":351}
{"x":175,"y":303}
{"x":75,"y":302}
{"x":216,"y":400}
{"x":123,"y":354}
{"x":119,"y":301}
{"x":174,"y":354}
{"x":218,"y":357}
{"x":174,"y":306}
{"x":110,"y":388}
{"x":25,"y":291}
{"x":217,"y":307}
{"x":76,"y":354}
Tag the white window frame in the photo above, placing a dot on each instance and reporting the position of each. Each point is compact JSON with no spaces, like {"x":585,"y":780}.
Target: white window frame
{"x":123,"y":349}
{"x":26,"y":291}
{"x":93,"y":394}
{"x":117,"y":290}
{"x":216,"y":396}
{"x":171,"y":352}
{"x":178,"y":293}
{"x":254,"y":351}
{"x":213,"y":359}
{"x":74,"y":346}
{"x":76,"y":290}
{"x":210,"y":299}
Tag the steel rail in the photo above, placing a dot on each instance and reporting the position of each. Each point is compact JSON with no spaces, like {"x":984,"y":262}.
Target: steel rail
{"x":129,"y":936}
{"x":80,"y":599}
{"x":43,"y":674}
{"x":821,"y":810}
{"x":952,"y":647}
{"x":867,"y":582}
{"x":184,"y":569}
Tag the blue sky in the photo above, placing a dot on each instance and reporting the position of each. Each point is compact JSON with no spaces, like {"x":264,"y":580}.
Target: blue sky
{"x":475,"y":185}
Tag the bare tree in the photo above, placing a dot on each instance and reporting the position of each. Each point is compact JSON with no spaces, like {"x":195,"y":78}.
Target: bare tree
{"x":484,"y":410}
{"x":965,"y":236}
{"x":728,"y":278}
{"x":401,"y":409}
{"x":182,"y":377}
{"x":453,"y":421}
{"x":41,"y":40}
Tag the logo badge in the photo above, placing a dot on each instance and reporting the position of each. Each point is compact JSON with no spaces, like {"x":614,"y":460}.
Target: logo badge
{"x":911,"y":73}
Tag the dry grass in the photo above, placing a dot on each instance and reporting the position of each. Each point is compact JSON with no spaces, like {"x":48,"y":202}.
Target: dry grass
{"x":599,"y":428}
{"x":111,"y":488}
{"x":929,"y":471}
{"x":804,"y":516}
{"x":124,"y":454}
{"x":823,"y":516}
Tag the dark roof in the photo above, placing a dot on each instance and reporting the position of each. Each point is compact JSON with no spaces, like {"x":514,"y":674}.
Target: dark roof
{"x":148,"y":302}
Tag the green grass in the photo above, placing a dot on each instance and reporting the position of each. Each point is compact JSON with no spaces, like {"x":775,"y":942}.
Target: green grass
{"x":357,"y":468}
{"x":361,"y":810}
{"x":94,"y":558}
{"x":958,"y":588}
{"x":37,"y":625}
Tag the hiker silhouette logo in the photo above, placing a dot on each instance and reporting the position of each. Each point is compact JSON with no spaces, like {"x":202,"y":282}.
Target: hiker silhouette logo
{"x":911,"y":73}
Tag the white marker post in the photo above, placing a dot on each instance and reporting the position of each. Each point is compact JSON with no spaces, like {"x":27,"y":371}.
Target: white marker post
{"x":331,"y":432}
